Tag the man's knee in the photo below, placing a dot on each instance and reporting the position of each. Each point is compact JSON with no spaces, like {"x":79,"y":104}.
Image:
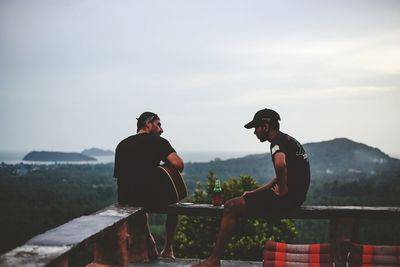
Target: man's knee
{"x":235,"y":206}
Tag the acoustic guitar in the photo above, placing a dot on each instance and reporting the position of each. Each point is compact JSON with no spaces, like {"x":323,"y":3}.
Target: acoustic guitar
{"x":171,"y":183}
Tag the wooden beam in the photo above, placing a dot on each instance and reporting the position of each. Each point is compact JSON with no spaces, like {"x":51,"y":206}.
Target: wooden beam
{"x":304,"y":212}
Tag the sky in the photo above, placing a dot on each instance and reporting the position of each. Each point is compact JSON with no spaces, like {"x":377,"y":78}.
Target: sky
{"x":76,"y":74}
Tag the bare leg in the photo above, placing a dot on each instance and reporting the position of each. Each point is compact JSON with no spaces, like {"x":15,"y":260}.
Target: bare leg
{"x":151,"y":243}
{"x":233,"y":209}
{"x":170,"y":228}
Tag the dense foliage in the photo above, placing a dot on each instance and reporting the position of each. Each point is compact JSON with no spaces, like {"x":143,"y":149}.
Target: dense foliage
{"x":196,"y":235}
{"x":35,"y":198}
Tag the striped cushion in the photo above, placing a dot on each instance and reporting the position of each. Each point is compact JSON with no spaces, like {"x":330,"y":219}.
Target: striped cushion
{"x":374,"y":255}
{"x":295,"y":264}
{"x":281,"y":254}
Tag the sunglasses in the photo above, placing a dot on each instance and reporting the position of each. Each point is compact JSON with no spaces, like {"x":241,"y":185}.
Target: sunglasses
{"x":152,"y":118}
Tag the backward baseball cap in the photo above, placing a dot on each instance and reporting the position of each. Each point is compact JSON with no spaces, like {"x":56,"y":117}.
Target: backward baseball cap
{"x":266,"y":115}
{"x":145,"y":116}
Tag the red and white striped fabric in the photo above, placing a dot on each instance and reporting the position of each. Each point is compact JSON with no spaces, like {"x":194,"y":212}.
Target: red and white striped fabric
{"x":373,"y":255}
{"x":278,"y":254}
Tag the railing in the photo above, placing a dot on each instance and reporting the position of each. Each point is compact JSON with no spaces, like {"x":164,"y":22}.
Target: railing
{"x":107,"y":227}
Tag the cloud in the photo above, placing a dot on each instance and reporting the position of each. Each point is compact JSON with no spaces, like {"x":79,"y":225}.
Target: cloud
{"x":191,"y":60}
{"x":260,"y":97}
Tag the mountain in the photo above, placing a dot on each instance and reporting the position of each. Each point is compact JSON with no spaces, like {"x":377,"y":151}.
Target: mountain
{"x":338,"y":158}
{"x":95,"y":152}
{"x":56,"y":156}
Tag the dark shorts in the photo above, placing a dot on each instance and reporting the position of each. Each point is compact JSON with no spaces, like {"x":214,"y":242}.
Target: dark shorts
{"x":267,"y":202}
{"x":142,"y":194}
{"x":135,"y":194}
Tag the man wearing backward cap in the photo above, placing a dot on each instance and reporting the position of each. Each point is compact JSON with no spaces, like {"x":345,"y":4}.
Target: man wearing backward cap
{"x":136,"y":159}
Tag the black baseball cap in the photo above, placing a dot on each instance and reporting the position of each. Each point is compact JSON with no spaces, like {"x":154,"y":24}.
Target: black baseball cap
{"x":263,"y":115}
{"x":146,"y":116}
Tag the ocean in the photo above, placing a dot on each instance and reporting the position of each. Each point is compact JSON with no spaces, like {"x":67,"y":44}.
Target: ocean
{"x":15,"y":157}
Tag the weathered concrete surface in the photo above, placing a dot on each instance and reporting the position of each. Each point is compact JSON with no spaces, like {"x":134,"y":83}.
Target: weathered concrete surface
{"x":82,"y":228}
{"x":32,"y":256}
{"x":55,"y":244}
{"x":73,"y":232}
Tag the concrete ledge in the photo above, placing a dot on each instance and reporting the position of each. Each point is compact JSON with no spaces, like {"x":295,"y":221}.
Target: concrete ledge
{"x":304,"y":212}
{"x":32,"y":256}
{"x":55,"y":243}
{"x":52,"y":247}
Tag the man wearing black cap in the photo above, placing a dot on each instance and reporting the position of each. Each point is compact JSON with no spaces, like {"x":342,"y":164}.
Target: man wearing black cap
{"x":136,"y":158}
{"x":284,"y":192}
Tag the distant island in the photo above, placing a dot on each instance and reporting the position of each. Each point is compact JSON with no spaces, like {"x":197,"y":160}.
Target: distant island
{"x":96,"y":152}
{"x":57,"y":156}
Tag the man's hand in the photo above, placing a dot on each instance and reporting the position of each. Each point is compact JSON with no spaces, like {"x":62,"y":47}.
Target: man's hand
{"x":277,"y":192}
{"x":246,"y":193}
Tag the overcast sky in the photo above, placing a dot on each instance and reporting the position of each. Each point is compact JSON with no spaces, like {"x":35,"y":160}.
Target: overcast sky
{"x":76,"y":74}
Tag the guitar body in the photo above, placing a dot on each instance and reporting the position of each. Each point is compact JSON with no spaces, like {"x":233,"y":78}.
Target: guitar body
{"x":170,"y":184}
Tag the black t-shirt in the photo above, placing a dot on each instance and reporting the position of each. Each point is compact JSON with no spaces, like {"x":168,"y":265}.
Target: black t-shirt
{"x":136,"y":158}
{"x":297,"y":164}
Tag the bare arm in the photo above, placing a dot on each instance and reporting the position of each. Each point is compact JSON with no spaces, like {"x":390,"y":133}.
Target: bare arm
{"x":281,"y":174}
{"x":279,"y":183}
{"x":175,"y":161}
{"x":262,"y":188}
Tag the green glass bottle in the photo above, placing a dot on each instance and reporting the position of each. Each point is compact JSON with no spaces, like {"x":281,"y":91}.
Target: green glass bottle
{"x":217,"y":193}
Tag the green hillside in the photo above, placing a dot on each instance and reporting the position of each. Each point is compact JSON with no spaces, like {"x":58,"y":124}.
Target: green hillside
{"x":34,"y":198}
{"x":340,"y":158}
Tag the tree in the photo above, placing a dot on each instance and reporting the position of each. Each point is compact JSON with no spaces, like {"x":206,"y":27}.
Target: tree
{"x":196,"y":235}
